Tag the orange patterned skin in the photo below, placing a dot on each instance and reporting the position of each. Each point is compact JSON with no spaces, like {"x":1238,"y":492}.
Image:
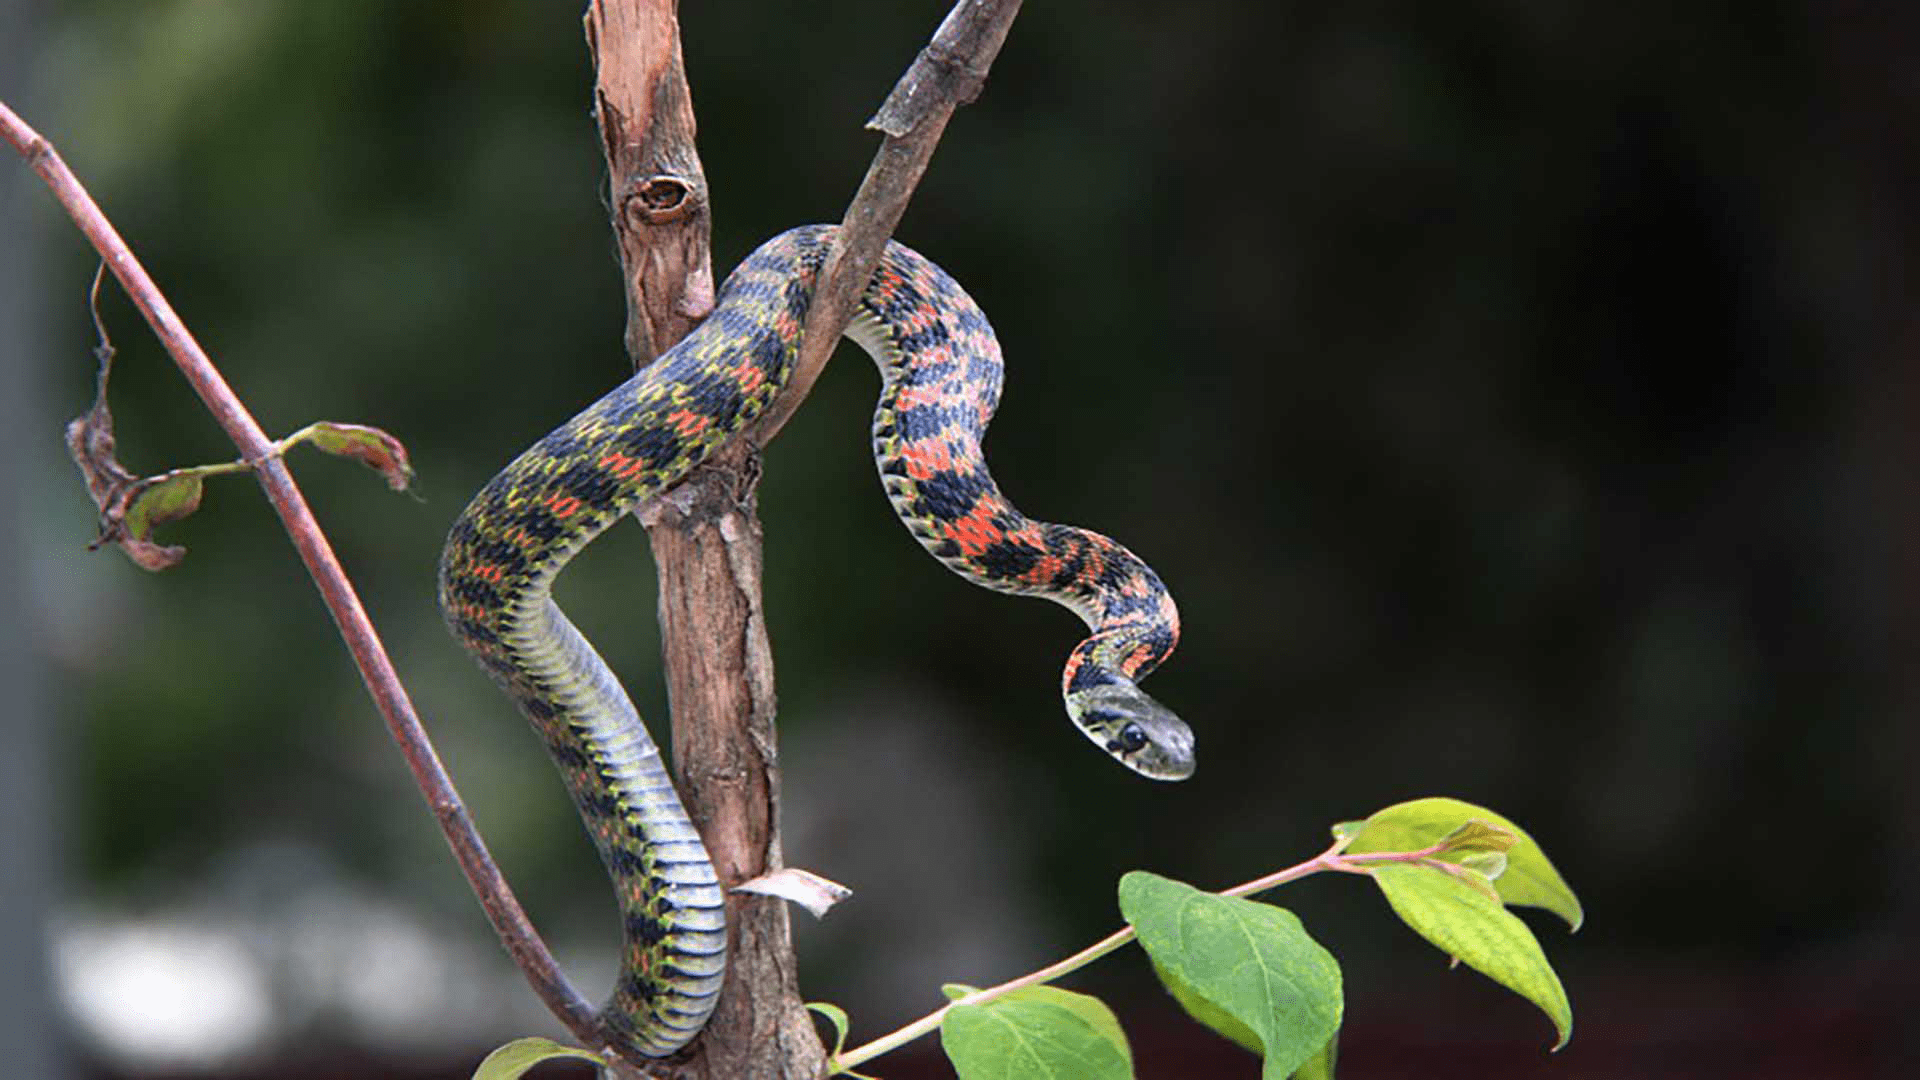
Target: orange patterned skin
{"x":941,"y":373}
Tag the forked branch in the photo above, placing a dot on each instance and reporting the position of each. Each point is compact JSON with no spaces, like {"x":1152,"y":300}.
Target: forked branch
{"x":705,"y":536}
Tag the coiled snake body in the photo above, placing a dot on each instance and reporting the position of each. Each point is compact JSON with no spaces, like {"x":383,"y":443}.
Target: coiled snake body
{"x":941,"y":370}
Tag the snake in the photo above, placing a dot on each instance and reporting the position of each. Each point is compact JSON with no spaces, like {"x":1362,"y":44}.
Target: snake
{"x":941,"y":373}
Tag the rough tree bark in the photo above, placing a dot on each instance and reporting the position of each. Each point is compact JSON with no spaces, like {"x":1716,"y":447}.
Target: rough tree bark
{"x":705,"y":534}
{"x":706,"y":543}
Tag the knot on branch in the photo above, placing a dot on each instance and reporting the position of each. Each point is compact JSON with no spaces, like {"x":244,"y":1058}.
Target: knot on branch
{"x":939,"y":76}
{"x":661,"y":198}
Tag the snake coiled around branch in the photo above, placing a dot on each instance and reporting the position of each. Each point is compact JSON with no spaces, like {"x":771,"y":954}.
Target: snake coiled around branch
{"x":941,"y":372}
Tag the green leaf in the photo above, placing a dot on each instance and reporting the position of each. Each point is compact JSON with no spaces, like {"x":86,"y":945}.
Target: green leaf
{"x":956,"y":991}
{"x":1465,"y":875}
{"x":158,"y":500}
{"x":1345,"y":831}
{"x":1479,"y":931}
{"x":1252,"y":962}
{"x":1037,"y":1033}
{"x":1488,"y":864}
{"x":1529,"y":880}
{"x":513,"y":1060}
{"x":137,"y":507}
{"x":1320,"y":1065}
{"x":1207,"y":1012}
{"x":1477,"y":837}
{"x":836,"y":1016}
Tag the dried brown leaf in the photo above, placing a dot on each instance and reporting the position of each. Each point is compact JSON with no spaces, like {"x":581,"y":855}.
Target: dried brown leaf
{"x":370,"y":446}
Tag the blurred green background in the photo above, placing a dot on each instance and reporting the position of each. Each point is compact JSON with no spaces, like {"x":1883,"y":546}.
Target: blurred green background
{"x":1518,"y":397}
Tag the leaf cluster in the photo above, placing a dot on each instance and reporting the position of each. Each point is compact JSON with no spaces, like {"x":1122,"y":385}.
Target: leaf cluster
{"x":1247,"y":969}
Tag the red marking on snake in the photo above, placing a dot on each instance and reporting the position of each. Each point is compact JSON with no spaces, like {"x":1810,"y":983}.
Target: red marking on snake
{"x":687,"y":422}
{"x":562,"y":505}
{"x":924,"y":457}
{"x":622,"y":465}
{"x":750,"y":378}
{"x":911,"y":396}
{"x":1044,"y":570}
{"x":487,"y":572}
{"x":1074,"y":660}
{"x":1029,"y":534}
{"x":975,"y":532}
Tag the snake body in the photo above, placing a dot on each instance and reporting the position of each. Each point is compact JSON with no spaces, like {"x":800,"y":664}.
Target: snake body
{"x":941,"y":372}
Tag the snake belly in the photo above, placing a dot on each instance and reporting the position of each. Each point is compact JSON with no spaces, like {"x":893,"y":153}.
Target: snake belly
{"x":941,"y":373}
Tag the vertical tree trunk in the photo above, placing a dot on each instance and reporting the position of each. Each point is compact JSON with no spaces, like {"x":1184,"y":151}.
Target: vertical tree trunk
{"x":706,"y":546}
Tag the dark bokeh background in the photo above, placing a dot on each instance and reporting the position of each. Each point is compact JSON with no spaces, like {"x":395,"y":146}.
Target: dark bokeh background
{"x":1518,"y":398}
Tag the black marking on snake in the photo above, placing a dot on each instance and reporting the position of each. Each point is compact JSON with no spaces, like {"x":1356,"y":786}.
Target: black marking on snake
{"x":926,"y":337}
{"x":948,"y":495}
{"x":562,"y":445}
{"x":645,"y":929}
{"x":1088,"y":676}
{"x":540,"y":524}
{"x":502,"y":553}
{"x":606,"y":805}
{"x":770,"y":355}
{"x":477,"y":592}
{"x":625,"y":862}
{"x":635,"y":985}
{"x":588,"y":482}
{"x":653,"y":445}
{"x":924,"y":421}
{"x":539,"y":709}
{"x":933,"y":346}
{"x":1005,"y":560}
{"x":480,"y":631}
{"x":567,"y":755}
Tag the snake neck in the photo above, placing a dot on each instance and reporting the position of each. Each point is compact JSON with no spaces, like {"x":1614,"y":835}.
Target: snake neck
{"x":942,"y":373}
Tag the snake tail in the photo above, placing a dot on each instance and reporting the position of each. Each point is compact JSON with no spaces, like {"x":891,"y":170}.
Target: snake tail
{"x":941,"y":373}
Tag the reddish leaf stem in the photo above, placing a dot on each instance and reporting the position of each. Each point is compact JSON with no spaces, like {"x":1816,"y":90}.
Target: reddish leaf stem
{"x":509,"y":920}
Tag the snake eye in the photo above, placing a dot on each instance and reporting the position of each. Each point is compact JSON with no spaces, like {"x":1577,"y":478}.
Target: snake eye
{"x":1130,"y":739}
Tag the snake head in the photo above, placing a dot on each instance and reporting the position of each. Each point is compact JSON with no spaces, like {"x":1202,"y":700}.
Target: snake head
{"x":1139,"y":732}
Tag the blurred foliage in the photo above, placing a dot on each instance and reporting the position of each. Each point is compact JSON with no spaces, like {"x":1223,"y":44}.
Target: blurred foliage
{"x":1486,"y":380}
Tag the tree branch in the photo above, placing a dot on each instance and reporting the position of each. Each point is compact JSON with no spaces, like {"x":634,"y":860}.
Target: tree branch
{"x":705,"y":535}
{"x":509,"y":920}
{"x":947,"y":74}
{"x":706,"y":548}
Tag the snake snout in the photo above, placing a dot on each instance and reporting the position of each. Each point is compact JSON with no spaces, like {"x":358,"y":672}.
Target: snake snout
{"x":1138,"y":731}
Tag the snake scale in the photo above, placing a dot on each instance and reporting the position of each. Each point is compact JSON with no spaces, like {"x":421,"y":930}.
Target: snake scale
{"x":941,"y":369}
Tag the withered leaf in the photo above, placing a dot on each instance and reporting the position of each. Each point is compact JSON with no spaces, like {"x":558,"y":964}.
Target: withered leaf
{"x":370,"y":446}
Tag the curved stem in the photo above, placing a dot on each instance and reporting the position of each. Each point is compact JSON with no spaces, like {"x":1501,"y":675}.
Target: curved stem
{"x":509,"y":920}
{"x":1330,"y":859}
